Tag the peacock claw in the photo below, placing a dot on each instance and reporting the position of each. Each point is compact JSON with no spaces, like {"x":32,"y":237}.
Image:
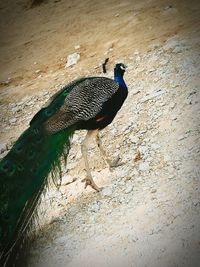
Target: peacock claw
{"x":89,"y":182}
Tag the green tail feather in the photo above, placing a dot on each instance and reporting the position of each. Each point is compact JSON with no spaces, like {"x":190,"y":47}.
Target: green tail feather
{"x":25,"y":169}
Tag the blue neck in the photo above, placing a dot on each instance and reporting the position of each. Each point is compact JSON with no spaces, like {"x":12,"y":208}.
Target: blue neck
{"x":120,"y":80}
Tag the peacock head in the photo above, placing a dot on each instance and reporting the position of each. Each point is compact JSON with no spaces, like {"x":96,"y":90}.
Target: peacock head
{"x":119,"y":69}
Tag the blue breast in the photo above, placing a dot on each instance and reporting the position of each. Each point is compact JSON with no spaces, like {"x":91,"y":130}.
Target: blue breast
{"x":121,"y":81}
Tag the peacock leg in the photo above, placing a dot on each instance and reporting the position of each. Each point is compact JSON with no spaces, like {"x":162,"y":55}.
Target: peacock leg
{"x":111,"y":164}
{"x":84,"y":149}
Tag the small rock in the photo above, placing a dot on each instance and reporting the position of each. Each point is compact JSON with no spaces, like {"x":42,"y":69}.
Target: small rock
{"x":177,"y":50}
{"x":168,"y":7}
{"x":155,"y":94}
{"x":134,"y":139}
{"x":136,"y":52}
{"x":138,"y":58}
{"x":77,"y":47}
{"x":107,"y":192}
{"x":144,"y":166}
{"x":13,"y":120}
{"x":164,"y":62}
{"x":95,"y":207}
{"x":134,"y":172}
{"x":155,"y":58}
{"x":3,"y":148}
{"x":172,"y":105}
{"x":3,"y":154}
{"x":143,"y":149}
{"x":135,"y":92}
{"x":142,"y":131}
{"x":187,"y":101}
{"x":153,"y":190}
{"x":67,"y":179}
{"x":129,"y":189}
{"x":151,"y":70}
{"x":181,"y":137}
{"x":72,"y":59}
{"x":38,"y":71}
{"x":166,"y":157}
{"x":16,"y":109}
{"x":56,"y":220}
{"x":155,"y":146}
{"x":174,"y":118}
{"x":196,"y":202}
{"x":171,"y":44}
{"x":30,"y":103}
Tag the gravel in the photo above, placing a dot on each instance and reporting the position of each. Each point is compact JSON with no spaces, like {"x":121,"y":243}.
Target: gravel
{"x":147,"y":208}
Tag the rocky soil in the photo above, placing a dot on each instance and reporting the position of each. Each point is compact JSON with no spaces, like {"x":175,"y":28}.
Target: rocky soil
{"x":148,"y":211}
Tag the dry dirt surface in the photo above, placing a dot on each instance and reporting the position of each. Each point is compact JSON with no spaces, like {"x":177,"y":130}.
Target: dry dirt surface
{"x":148,"y":212}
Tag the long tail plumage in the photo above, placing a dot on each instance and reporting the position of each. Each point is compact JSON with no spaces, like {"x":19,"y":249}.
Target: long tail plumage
{"x":23,"y":175}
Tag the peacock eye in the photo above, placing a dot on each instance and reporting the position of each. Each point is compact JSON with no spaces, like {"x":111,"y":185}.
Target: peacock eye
{"x":39,"y":140}
{"x":19,"y":148}
{"x":48,"y":112}
{"x":8,"y":168}
{"x":5,"y":166}
{"x":31,"y":154}
{"x":20,"y":167}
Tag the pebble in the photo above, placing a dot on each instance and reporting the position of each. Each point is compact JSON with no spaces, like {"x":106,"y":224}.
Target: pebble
{"x":13,"y":120}
{"x":134,"y":139}
{"x":136,"y":52}
{"x":38,"y":71}
{"x":134,"y":172}
{"x":77,"y":47}
{"x":171,"y":44}
{"x":144,"y":166}
{"x":16,"y":109}
{"x":30,"y":103}
{"x":129,"y":189}
{"x":135,"y":92}
{"x":164,"y":62}
{"x":3,"y":147}
{"x":177,"y":50}
{"x":3,"y":154}
{"x":181,"y":137}
{"x":155,"y":146}
{"x":72,"y":59}
{"x":172,"y":105}
{"x":153,"y":190}
{"x":155,"y":94}
{"x":174,"y":117}
{"x":95,"y":207}
{"x":143,"y":149}
{"x":107,"y":191}
{"x":66,"y":179}
{"x":166,"y":157}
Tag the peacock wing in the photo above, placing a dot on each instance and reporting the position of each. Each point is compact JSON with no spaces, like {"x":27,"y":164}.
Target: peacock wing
{"x":83,"y":102}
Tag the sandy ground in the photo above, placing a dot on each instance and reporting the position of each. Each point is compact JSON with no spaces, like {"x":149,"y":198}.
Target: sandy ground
{"x":149,"y":210}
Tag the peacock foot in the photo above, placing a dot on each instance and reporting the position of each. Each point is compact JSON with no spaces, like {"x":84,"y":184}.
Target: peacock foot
{"x":89,"y":181}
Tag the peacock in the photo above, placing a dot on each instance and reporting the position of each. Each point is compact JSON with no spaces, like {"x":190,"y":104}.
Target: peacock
{"x":88,"y":103}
